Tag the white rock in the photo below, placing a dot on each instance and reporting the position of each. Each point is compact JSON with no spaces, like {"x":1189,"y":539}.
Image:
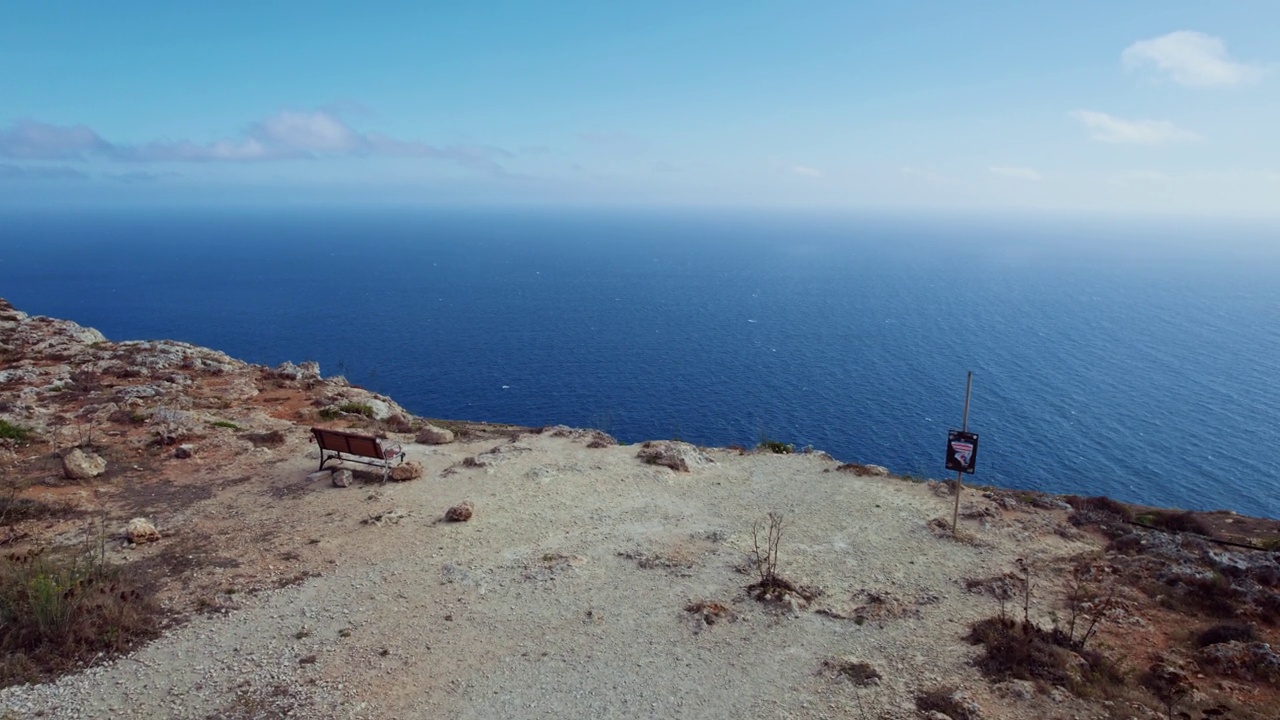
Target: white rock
{"x":432,"y":435}
{"x":141,"y":530}
{"x":342,"y":478}
{"x":81,"y":465}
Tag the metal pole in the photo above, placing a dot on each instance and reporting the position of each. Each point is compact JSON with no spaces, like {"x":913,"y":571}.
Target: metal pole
{"x":964,"y":427}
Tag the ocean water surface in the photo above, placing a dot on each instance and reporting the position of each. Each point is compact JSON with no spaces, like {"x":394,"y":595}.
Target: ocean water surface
{"x":1118,"y":358}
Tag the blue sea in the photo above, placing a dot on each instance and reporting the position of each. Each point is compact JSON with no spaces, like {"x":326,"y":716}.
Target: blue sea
{"x":1118,"y":357}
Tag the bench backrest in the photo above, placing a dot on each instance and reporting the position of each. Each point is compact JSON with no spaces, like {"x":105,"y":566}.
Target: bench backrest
{"x":350,"y":443}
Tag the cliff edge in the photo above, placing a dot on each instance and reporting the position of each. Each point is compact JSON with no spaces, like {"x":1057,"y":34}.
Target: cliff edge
{"x":172,"y":551}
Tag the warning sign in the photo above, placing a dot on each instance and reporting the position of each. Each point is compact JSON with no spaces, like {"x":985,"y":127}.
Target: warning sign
{"x":962,"y":451}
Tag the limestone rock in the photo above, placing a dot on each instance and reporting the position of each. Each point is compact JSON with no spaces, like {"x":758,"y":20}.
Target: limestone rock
{"x":432,"y":435}
{"x":81,"y":465}
{"x":287,"y":371}
{"x":403,"y":472}
{"x":342,"y":478}
{"x":864,"y":470}
{"x":399,"y":422}
{"x":1245,"y":660}
{"x":678,"y":456}
{"x":141,"y":530}
{"x":381,"y":409}
{"x":185,"y":451}
{"x":320,"y":476}
{"x":460,"y":512}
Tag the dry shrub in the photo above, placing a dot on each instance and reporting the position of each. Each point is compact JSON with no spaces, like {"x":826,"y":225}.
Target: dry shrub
{"x":1226,"y":632}
{"x":858,"y":672}
{"x":946,"y":701}
{"x":711,"y":612}
{"x":662,"y":454}
{"x":61,"y":610}
{"x":764,"y":561}
{"x":1202,"y":593}
{"x":1185,"y":521}
{"x":1024,"y":651}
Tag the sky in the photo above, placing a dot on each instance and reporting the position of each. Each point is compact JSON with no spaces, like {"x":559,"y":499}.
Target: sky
{"x":1135,"y":107}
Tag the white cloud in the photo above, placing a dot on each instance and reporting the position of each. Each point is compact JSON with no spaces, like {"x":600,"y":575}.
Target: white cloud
{"x":806,"y":171}
{"x":1190,"y":58}
{"x":1110,"y":129}
{"x":284,"y":135}
{"x":1018,"y":173}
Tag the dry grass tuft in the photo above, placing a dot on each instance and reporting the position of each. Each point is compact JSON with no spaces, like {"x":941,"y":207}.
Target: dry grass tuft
{"x":60,"y":610}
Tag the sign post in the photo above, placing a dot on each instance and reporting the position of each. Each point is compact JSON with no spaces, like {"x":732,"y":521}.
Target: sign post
{"x":962,"y":452}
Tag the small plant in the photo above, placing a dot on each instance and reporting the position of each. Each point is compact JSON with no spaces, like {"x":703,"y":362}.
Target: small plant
{"x":11,"y":431}
{"x":776,"y":447}
{"x":355,"y":408}
{"x":226,"y":424}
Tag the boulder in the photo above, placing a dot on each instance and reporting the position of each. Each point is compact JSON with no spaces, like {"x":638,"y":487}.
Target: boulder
{"x":81,"y":465}
{"x":320,"y":476}
{"x":432,"y":435}
{"x":460,"y":513}
{"x":342,"y":478}
{"x":399,"y":422}
{"x":411,"y":470}
{"x":182,"y":452}
{"x":141,"y":530}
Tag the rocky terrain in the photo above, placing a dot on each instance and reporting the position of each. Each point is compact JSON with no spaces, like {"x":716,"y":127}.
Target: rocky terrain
{"x":171,"y":551}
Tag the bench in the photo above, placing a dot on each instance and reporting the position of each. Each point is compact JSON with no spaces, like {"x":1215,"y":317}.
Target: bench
{"x":334,"y":444}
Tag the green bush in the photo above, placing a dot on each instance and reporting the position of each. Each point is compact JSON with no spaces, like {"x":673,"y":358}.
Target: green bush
{"x":226,"y":424}
{"x":355,"y":408}
{"x":776,"y":447}
{"x":14,"y":432}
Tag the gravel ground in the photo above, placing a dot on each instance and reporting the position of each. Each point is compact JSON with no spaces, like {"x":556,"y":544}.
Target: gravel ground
{"x":565,"y":595}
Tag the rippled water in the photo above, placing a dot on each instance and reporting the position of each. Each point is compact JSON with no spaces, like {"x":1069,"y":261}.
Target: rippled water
{"x":1136,"y":361}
